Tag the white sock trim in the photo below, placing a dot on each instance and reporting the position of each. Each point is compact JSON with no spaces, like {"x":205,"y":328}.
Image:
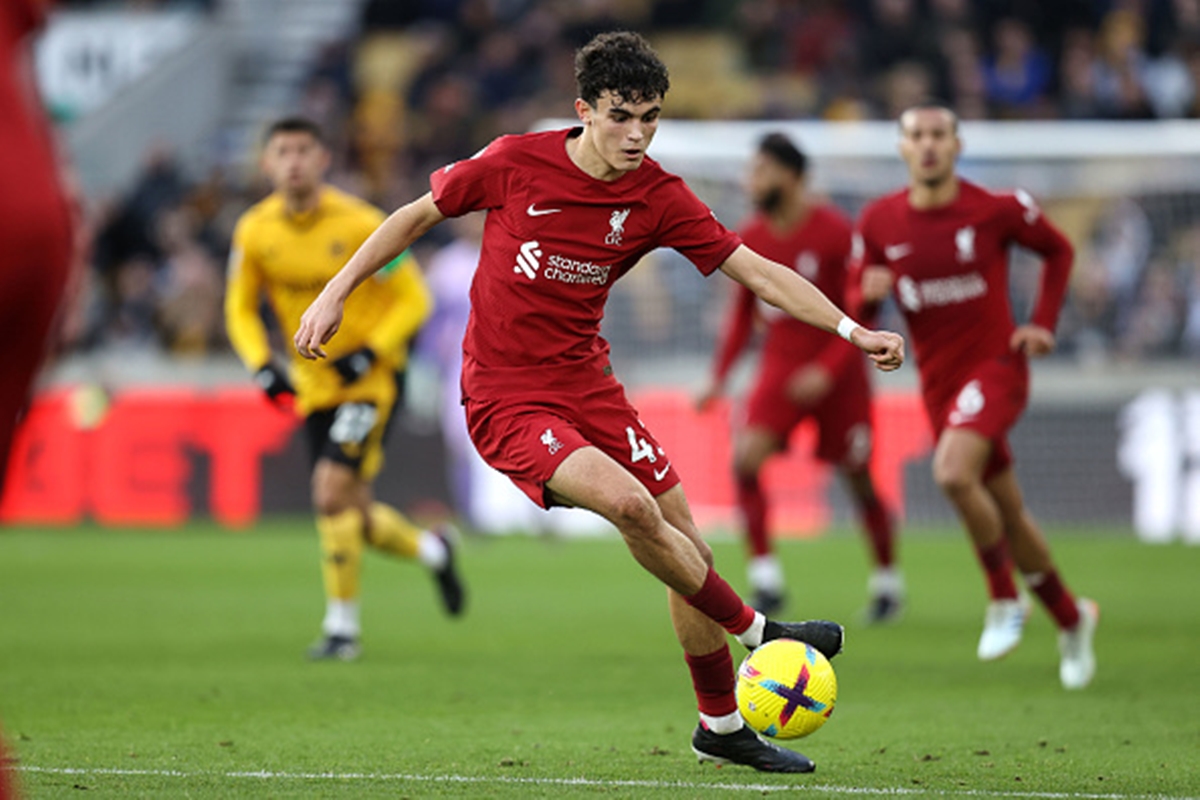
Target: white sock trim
{"x":341,"y":618}
{"x":765,"y":573}
{"x":752,"y":636}
{"x":886,"y":581}
{"x":727,"y":723}
{"x":431,"y":550}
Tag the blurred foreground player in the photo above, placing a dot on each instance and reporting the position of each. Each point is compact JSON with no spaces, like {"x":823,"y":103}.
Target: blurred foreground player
{"x":941,"y":245}
{"x":35,"y":220}
{"x":802,"y":374}
{"x":35,"y":235}
{"x":569,"y":212}
{"x":286,"y":247}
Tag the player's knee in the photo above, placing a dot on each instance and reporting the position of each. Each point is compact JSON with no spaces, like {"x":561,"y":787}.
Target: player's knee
{"x":636,"y":514}
{"x":746,"y":466}
{"x":328,"y":499}
{"x":953,"y":480}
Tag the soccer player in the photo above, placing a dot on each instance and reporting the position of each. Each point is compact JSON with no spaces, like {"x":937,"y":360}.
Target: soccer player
{"x":569,"y":212}
{"x":941,"y":245}
{"x":36,"y":227}
{"x":802,"y":374}
{"x":286,"y":247}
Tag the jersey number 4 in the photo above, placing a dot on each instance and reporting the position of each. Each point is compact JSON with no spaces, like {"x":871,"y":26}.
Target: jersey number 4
{"x":639,"y":448}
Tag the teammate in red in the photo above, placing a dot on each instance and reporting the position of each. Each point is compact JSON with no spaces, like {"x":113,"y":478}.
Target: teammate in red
{"x":941,"y":245}
{"x":569,"y":212}
{"x":35,"y":232}
{"x":35,"y":219}
{"x":802,"y":374}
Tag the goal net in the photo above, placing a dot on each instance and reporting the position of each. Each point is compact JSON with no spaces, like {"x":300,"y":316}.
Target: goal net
{"x":1126,"y":194}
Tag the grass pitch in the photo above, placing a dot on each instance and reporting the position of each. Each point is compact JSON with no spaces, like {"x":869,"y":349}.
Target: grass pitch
{"x":152,"y":664}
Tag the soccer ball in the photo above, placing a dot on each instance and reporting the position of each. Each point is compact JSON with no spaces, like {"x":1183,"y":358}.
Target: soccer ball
{"x":786,"y":689}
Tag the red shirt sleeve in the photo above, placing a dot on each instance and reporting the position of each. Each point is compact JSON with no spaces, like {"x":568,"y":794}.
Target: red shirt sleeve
{"x":865,"y":252}
{"x":690,"y":227}
{"x":1030,"y":229}
{"x":738,"y":328}
{"x":474,"y":183}
{"x":25,"y":15}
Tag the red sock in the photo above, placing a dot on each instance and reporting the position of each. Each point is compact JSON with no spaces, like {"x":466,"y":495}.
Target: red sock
{"x":998,"y":567}
{"x":8,"y":789}
{"x":877,"y":523}
{"x":712,"y":677}
{"x":1056,"y":597}
{"x":753,"y":504}
{"x":719,"y":602}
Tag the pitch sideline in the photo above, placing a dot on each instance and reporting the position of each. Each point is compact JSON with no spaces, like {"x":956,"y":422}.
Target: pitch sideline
{"x":591,"y":782}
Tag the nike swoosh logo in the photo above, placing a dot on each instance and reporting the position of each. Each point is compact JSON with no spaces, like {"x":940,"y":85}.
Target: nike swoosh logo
{"x":537,"y":212}
{"x":658,"y":476}
{"x":896,"y":252}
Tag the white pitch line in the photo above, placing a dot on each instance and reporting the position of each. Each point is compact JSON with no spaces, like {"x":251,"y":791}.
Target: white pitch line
{"x":593,"y":782}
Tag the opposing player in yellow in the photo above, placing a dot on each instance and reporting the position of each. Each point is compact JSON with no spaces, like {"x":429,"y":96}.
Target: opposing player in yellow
{"x":286,"y":248}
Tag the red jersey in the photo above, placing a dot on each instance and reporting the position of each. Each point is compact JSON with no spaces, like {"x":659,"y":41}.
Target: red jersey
{"x":31,"y":201}
{"x":951,"y":270}
{"x":818,"y":248}
{"x":555,"y":241}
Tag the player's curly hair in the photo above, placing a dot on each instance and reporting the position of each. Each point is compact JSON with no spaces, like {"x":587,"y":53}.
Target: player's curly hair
{"x":621,"y":62}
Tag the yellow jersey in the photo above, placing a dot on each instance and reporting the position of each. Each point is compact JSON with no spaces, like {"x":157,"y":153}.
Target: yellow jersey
{"x":289,"y":258}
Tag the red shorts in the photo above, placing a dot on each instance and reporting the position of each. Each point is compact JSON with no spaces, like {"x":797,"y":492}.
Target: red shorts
{"x":843,"y":417}
{"x":988,"y":401}
{"x":527,"y":437}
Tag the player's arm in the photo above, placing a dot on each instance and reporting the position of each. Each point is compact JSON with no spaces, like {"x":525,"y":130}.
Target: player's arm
{"x":787,"y":290}
{"x":1033,"y":231}
{"x":733,"y":341}
{"x":397,"y":233}
{"x":411,"y":309}
{"x":870,"y":280}
{"x":247,"y":333}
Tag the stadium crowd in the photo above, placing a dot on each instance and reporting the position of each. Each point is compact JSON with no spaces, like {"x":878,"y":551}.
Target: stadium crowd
{"x":429,"y":81}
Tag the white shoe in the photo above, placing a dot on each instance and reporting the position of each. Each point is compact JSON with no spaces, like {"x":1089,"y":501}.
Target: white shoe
{"x":1078,"y":664}
{"x":1002,"y":628}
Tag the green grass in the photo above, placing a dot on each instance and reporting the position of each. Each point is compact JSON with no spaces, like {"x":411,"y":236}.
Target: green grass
{"x":160,"y":663}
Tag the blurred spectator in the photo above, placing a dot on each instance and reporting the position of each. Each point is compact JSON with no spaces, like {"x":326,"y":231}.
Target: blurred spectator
{"x":1120,"y":67}
{"x":1188,"y":260}
{"x":1088,"y":318}
{"x":894,"y":33}
{"x":1157,"y":316}
{"x":966,"y":83}
{"x":1077,"y":95}
{"x":1017,"y":74}
{"x":190,"y":288}
{"x":1168,"y":83}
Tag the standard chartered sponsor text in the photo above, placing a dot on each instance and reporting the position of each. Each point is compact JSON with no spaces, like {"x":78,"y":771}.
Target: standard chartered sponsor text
{"x":956,"y":289}
{"x":567,"y":270}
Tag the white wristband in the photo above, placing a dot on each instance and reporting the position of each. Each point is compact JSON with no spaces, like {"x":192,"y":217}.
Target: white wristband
{"x":846,"y":327}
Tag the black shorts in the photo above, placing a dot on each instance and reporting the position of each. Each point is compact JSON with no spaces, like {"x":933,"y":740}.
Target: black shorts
{"x":353,"y":434}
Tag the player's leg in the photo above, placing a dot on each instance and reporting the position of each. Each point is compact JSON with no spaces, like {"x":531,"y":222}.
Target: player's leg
{"x":958,"y":467}
{"x":340,"y":508}
{"x":721,"y":735}
{"x":752,"y":446}
{"x":846,"y":440}
{"x":385,"y":528}
{"x":1076,"y":617}
{"x":885,"y":587}
{"x":590,"y":478}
